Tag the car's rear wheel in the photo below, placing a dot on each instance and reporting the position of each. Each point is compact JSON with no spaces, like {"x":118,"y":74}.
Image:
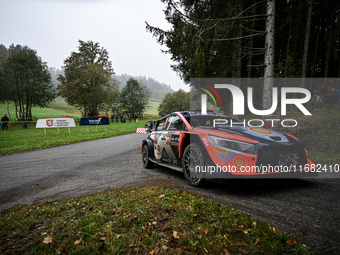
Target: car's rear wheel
{"x":193,"y":158}
{"x":145,"y":156}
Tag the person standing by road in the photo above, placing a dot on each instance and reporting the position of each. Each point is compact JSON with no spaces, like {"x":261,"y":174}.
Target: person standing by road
{"x":4,"y":121}
{"x":335,"y":96}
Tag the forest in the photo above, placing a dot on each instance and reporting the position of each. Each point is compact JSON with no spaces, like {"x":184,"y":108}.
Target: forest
{"x":219,"y":38}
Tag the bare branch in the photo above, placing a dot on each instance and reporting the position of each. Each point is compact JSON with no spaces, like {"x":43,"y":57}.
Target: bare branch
{"x":237,"y":38}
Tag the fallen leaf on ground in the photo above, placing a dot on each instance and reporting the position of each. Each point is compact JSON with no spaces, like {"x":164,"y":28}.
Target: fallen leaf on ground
{"x":272,"y":229}
{"x":164,"y":247}
{"x":77,"y":242}
{"x":257,"y":241}
{"x":292,"y":243}
{"x":47,"y":240}
{"x":161,"y":196}
{"x":175,"y":234}
{"x":205,"y":232}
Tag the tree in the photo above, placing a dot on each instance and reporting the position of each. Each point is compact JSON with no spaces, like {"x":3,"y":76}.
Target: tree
{"x":176,"y":101}
{"x":306,"y":43}
{"x":86,"y":83}
{"x":26,"y":81}
{"x":134,"y":97}
{"x":269,"y":56}
{"x":3,"y":53}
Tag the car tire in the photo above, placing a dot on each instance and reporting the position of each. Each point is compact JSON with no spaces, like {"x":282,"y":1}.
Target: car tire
{"x":192,"y":157}
{"x":145,"y":157}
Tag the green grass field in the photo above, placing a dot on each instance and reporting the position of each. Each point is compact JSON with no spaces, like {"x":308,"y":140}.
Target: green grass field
{"x":17,"y":139}
{"x":152,"y":109}
{"x":54,"y":110}
{"x":59,"y":108}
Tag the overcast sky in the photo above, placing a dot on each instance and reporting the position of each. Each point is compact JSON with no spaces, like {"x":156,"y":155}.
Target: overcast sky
{"x":53,"y":28}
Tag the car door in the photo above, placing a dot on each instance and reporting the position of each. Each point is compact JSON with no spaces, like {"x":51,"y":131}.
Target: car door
{"x":171,"y":140}
{"x":159,"y":136}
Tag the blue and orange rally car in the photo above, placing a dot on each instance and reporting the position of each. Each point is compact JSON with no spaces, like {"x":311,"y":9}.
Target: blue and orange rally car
{"x":205,"y":146}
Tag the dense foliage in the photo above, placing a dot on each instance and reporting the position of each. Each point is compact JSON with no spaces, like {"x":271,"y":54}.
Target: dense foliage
{"x":218,"y":38}
{"x":25,"y":80}
{"x":173,"y":102}
{"x":87,"y":82}
{"x":133,"y":98}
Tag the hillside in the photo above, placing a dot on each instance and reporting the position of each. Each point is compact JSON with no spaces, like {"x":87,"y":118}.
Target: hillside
{"x":157,"y":88}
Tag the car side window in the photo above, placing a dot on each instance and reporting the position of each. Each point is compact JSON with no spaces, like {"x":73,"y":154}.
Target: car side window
{"x":175,"y":123}
{"x":163,"y":124}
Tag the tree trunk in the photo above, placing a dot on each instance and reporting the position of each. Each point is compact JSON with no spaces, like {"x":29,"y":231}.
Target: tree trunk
{"x":306,"y":44}
{"x":250,"y":60}
{"x":296,"y":26}
{"x":269,"y":55}
{"x":238,"y":48}
{"x":316,"y":49}
{"x":329,"y":45}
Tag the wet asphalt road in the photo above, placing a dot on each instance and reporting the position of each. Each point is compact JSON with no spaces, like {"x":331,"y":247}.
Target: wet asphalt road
{"x":306,"y":208}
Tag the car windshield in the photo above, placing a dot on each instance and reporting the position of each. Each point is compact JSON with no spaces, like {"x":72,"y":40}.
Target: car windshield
{"x":210,"y":120}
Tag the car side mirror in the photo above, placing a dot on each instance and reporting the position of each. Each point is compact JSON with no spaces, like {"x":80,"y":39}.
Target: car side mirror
{"x":149,"y":126}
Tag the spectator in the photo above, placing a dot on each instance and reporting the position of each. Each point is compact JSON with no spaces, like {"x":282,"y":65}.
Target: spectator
{"x":129,"y":117}
{"x":112,"y":117}
{"x":317,"y":101}
{"x":4,"y":121}
{"x":121,"y":117}
{"x":324,"y":96}
{"x":117,"y":117}
{"x":335,"y":96}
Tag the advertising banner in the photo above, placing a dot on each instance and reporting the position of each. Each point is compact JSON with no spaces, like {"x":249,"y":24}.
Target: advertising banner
{"x":55,"y":123}
{"x":94,"y":121}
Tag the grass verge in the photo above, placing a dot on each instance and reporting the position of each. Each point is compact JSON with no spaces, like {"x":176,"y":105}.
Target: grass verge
{"x":17,"y":139}
{"x":138,"y":221}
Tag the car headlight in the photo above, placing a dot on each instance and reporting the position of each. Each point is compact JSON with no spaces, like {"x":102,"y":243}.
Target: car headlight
{"x":230,"y":144}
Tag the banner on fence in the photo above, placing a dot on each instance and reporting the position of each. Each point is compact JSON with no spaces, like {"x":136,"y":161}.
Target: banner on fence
{"x":55,"y":123}
{"x":94,"y":121}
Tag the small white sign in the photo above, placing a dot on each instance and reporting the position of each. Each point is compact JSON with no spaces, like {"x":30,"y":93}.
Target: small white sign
{"x":55,"y":123}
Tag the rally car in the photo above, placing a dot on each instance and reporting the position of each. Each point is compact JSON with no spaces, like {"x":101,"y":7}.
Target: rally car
{"x":205,"y":146}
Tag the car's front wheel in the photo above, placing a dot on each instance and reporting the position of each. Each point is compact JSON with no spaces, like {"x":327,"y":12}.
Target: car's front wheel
{"x":192,"y":162}
{"x":145,"y":156}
